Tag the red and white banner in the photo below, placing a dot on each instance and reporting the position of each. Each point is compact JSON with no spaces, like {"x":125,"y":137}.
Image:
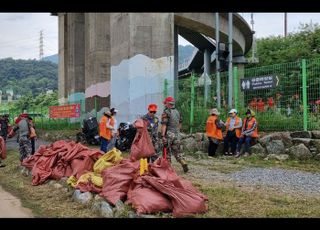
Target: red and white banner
{"x":65,"y":111}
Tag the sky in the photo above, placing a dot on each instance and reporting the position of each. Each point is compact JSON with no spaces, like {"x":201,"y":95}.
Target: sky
{"x":20,"y":32}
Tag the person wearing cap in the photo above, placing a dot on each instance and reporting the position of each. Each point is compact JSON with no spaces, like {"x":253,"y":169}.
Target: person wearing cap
{"x":153,"y":124}
{"x":106,"y":125}
{"x":114,"y":132}
{"x":22,"y":126}
{"x":233,"y":129}
{"x":170,"y":128}
{"x":249,"y":132}
{"x":214,"y":131}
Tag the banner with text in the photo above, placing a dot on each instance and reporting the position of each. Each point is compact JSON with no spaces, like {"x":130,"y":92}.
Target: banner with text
{"x":65,"y":111}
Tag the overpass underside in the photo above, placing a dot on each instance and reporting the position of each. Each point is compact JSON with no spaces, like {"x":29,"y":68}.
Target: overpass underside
{"x":121,"y":59}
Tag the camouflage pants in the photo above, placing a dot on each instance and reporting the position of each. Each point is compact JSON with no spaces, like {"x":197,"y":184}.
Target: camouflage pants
{"x":174,"y":146}
{"x":25,"y":148}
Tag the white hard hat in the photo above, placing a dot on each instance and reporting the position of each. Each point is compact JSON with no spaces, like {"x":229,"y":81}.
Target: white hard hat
{"x":233,"y":111}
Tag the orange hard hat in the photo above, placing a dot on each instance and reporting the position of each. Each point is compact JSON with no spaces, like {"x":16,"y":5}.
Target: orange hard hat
{"x":169,"y":100}
{"x":152,"y":107}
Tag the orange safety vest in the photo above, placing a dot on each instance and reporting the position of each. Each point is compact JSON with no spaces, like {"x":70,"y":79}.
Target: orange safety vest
{"x":250,"y":124}
{"x":103,"y":130}
{"x":238,"y":130}
{"x":211,"y":128}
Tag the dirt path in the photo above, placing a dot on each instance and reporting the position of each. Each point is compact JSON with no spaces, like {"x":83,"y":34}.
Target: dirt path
{"x":10,"y":206}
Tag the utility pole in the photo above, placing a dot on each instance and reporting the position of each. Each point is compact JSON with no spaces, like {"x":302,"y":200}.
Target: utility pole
{"x":253,"y":45}
{"x":41,"y":45}
{"x":285,"y":24}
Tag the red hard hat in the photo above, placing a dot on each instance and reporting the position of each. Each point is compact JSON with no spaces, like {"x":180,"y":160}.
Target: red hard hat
{"x":152,"y":107}
{"x":168,"y":99}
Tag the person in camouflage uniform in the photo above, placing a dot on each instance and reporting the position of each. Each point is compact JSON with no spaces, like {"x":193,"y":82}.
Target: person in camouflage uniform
{"x":171,"y":123}
{"x":153,"y":124}
{"x":22,"y":127}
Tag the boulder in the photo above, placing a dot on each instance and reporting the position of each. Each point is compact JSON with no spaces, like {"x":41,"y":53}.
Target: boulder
{"x":189,"y":145}
{"x":119,"y":205}
{"x":316,"y":143}
{"x":182,"y":136}
{"x":301,"y":134}
{"x":199,"y":137}
{"x":57,"y":186}
{"x":83,"y":198}
{"x":300,"y":152}
{"x":285,"y":137}
{"x":96,"y":206}
{"x":98,"y":198}
{"x":275,"y":147}
{"x":279,"y":157}
{"x":315,"y":134}
{"x":258,"y":149}
{"x":106,"y":210}
{"x":305,"y":141}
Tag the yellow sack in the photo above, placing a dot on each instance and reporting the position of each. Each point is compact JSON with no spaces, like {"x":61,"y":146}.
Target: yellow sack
{"x":72,"y":181}
{"x":107,"y":160}
{"x":91,"y":176}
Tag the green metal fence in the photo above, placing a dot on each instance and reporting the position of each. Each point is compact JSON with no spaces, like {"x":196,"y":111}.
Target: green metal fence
{"x":40,"y":115}
{"x":293,"y":103}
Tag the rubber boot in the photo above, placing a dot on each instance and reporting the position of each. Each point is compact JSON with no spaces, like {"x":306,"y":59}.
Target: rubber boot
{"x":184,"y":165}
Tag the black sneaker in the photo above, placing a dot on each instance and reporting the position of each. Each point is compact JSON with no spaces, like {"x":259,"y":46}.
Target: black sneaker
{"x":2,"y":165}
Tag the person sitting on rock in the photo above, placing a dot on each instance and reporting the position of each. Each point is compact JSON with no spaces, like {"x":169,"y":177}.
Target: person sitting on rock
{"x":249,"y":133}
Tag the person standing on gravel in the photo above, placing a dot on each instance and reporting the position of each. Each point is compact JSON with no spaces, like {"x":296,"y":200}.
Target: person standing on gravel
{"x":233,"y":129}
{"x":214,"y":131}
{"x":170,"y":128}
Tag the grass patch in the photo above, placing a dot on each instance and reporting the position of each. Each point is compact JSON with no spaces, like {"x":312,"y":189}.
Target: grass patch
{"x":43,"y":200}
{"x":310,"y":165}
{"x":230,"y":201}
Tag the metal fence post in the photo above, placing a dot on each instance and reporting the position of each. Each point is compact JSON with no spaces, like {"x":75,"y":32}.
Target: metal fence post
{"x":235,"y":87}
{"x":304,"y":95}
{"x":165,"y":89}
{"x":192,"y":103}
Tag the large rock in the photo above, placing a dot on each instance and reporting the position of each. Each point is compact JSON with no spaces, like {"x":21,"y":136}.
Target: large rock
{"x":199,"y":137}
{"x":286,"y":139}
{"x":300,"y":152}
{"x":83,"y":198}
{"x":284,"y":136}
{"x":182,"y":136}
{"x":275,"y":147}
{"x":301,"y":134}
{"x":315,"y":134}
{"x":57,"y":186}
{"x":258,"y":149}
{"x":279,"y":157}
{"x":96,"y":206}
{"x":305,"y":141}
{"x":189,"y":145}
{"x":106,"y":210}
{"x":316,"y":144}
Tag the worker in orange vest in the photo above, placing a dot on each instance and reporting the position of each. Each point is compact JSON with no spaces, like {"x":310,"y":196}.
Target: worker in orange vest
{"x":233,"y":132}
{"x":106,"y":126}
{"x":214,"y":131}
{"x":249,"y":132}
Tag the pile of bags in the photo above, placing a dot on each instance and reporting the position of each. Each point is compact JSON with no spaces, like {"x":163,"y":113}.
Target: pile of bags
{"x":157,"y":188}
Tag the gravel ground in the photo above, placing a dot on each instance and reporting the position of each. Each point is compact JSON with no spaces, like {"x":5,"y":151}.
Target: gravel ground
{"x":288,"y":181}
